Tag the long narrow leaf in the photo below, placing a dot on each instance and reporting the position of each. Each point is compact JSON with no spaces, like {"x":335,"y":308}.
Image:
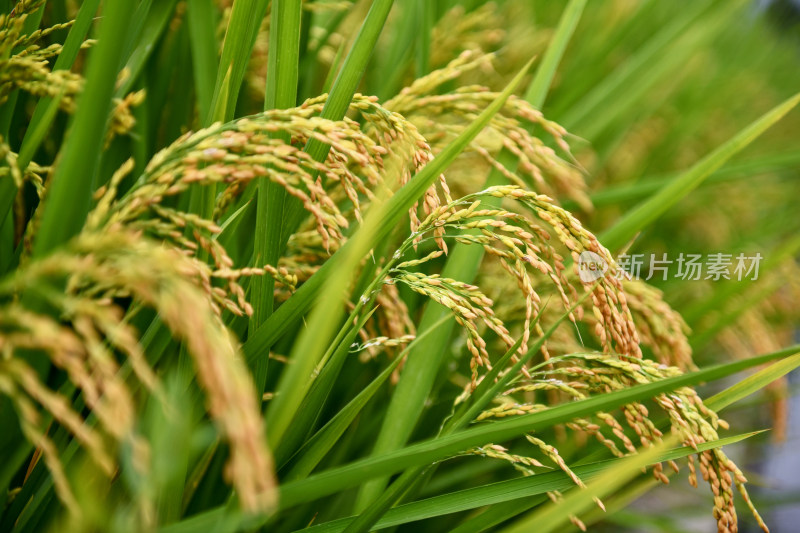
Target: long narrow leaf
{"x":341,"y":94}
{"x":316,"y":447}
{"x":240,"y":36}
{"x":327,"y":373}
{"x":634,"y":68}
{"x":556,"y":516}
{"x":201,"y":22}
{"x":437,"y":449}
{"x":511,"y":490}
{"x":539,"y":87}
{"x":152,"y":29}
{"x":651,"y":209}
{"x":752,"y":384}
{"x":283,"y":65}
{"x":647,"y":186}
{"x":69,"y":195}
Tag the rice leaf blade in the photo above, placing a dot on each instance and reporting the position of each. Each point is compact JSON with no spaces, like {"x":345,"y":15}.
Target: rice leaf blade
{"x":539,"y":87}
{"x":440,"y":448}
{"x":200,"y":18}
{"x":513,"y":490}
{"x":281,"y":93}
{"x":752,"y":384}
{"x":651,"y":209}
{"x":69,"y":196}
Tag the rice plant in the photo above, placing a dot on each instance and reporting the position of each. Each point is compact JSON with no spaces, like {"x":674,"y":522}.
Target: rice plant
{"x":321,"y":265}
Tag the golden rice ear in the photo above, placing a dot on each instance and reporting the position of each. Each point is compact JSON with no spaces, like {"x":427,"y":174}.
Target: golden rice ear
{"x":31,"y":425}
{"x":231,"y":397}
{"x":100,"y":267}
{"x":579,"y":376}
{"x":441,"y":116}
{"x":662,"y":329}
{"x":524,"y":249}
{"x":178,"y":290}
{"x":232,"y":155}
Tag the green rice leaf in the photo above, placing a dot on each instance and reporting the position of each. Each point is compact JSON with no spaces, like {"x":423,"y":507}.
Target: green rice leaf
{"x":752,"y":384}
{"x":70,"y":192}
{"x":240,"y":37}
{"x":556,"y":516}
{"x":201,"y":20}
{"x":651,"y":209}
{"x":539,"y":87}
{"x":281,"y":93}
{"x":515,"y":490}
{"x":441,"y":448}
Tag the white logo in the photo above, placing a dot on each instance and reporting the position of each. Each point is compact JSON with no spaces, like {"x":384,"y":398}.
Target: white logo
{"x":591,"y":267}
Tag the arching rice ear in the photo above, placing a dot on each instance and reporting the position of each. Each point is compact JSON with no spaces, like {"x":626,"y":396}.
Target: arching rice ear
{"x":232,"y":155}
{"x":579,"y":376}
{"x":99,"y":268}
{"x":440,"y":117}
{"x":525,"y":251}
